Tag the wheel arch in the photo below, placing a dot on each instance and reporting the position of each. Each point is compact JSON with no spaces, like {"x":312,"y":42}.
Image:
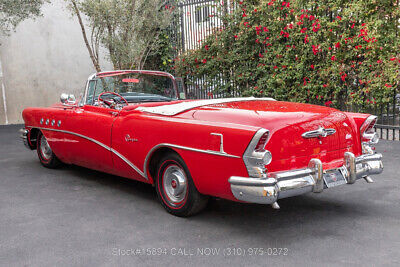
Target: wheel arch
{"x":154,"y":157}
{"x":32,"y":138}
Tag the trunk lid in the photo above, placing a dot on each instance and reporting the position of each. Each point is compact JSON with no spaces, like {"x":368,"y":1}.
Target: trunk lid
{"x":287,"y":122}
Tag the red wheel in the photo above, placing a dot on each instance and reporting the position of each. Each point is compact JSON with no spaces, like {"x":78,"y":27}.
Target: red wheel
{"x":46,"y":156}
{"x":175,"y":188}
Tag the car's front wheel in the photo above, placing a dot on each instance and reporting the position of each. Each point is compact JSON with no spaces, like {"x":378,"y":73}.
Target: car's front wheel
{"x":45,"y":153}
{"x":175,"y":188}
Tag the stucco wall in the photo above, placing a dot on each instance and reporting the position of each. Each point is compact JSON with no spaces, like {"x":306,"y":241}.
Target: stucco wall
{"x":42,"y":59}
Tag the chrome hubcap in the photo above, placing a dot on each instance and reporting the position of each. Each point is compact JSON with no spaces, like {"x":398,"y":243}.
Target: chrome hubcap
{"x":175,"y":184}
{"x":45,"y":148}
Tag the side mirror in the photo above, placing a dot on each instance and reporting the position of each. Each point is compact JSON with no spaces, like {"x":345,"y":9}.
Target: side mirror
{"x":67,"y":99}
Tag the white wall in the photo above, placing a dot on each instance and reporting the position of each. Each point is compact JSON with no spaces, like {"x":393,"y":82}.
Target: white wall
{"x":42,"y":59}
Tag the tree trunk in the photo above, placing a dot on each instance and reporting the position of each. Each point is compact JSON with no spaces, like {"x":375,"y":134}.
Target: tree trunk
{"x":92,"y":56}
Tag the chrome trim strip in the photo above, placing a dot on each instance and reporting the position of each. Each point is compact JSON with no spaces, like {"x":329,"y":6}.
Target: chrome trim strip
{"x":211,"y":152}
{"x":128,"y":162}
{"x":133,"y":166}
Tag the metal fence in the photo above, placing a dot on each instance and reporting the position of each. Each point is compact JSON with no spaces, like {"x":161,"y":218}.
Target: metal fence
{"x":197,"y":19}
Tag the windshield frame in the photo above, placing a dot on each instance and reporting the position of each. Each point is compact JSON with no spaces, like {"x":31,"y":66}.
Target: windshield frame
{"x":122,"y":72}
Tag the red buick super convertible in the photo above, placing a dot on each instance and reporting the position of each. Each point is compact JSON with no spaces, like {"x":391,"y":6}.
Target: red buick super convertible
{"x":138,"y":125}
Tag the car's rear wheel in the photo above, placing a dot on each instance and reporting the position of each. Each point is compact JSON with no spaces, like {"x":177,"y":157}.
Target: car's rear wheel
{"x":175,"y":188}
{"x":46,"y":155}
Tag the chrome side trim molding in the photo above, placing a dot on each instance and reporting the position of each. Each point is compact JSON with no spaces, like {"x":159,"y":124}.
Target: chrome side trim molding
{"x":133,"y":166}
{"x":128,"y":162}
{"x":211,"y":152}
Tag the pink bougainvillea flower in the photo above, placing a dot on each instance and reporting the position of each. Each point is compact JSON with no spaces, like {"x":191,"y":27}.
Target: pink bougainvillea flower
{"x":315,"y":49}
{"x":343,"y":76}
{"x":260,"y":55}
{"x":379,"y":61}
{"x":393,"y":59}
{"x":325,"y":85}
{"x":204,"y":61}
{"x":312,"y":66}
{"x":265,"y":29}
{"x":303,"y":30}
{"x":275,"y":67}
{"x":333,"y":58}
{"x":388,"y":85}
{"x":306,"y":39}
{"x":244,"y":15}
{"x":328,"y":103}
{"x":337,"y":45}
{"x":316,"y":27}
{"x":206,"y":47}
{"x":339,"y":18}
{"x":235,"y":36}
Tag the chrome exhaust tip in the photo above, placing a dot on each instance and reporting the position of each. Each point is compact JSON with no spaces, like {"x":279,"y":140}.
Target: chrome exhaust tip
{"x":368,"y":179}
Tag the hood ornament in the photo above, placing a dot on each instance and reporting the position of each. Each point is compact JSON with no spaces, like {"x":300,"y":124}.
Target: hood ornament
{"x":321,"y":132}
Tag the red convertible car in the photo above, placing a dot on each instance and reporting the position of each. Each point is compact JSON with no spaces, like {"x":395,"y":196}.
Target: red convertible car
{"x":139,"y":125}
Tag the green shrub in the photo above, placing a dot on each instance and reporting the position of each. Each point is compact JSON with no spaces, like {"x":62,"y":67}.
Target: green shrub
{"x":335,"y":53}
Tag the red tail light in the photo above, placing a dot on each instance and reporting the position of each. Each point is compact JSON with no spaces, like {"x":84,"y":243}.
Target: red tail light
{"x":260,"y":147}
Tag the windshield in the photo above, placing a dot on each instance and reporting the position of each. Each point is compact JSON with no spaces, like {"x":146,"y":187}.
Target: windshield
{"x":134,"y":87}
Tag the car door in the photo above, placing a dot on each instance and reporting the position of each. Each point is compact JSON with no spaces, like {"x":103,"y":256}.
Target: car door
{"x":88,"y":137}
{"x":88,"y":131}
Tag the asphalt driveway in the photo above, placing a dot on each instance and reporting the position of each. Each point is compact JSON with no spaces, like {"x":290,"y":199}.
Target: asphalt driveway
{"x":75,"y":216}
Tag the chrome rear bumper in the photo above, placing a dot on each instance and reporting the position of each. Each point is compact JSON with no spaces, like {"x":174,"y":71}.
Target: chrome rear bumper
{"x":297,"y":182}
{"x":24,"y":136}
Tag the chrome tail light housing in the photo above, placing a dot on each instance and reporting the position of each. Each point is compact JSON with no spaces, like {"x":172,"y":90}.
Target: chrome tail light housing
{"x":368,"y":136}
{"x":256,"y":157}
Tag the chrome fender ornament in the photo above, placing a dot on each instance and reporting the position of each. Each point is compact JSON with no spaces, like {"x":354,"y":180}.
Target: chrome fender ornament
{"x":321,"y":132}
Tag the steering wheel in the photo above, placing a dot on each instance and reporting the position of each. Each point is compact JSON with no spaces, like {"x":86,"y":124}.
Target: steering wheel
{"x":108,"y":103}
